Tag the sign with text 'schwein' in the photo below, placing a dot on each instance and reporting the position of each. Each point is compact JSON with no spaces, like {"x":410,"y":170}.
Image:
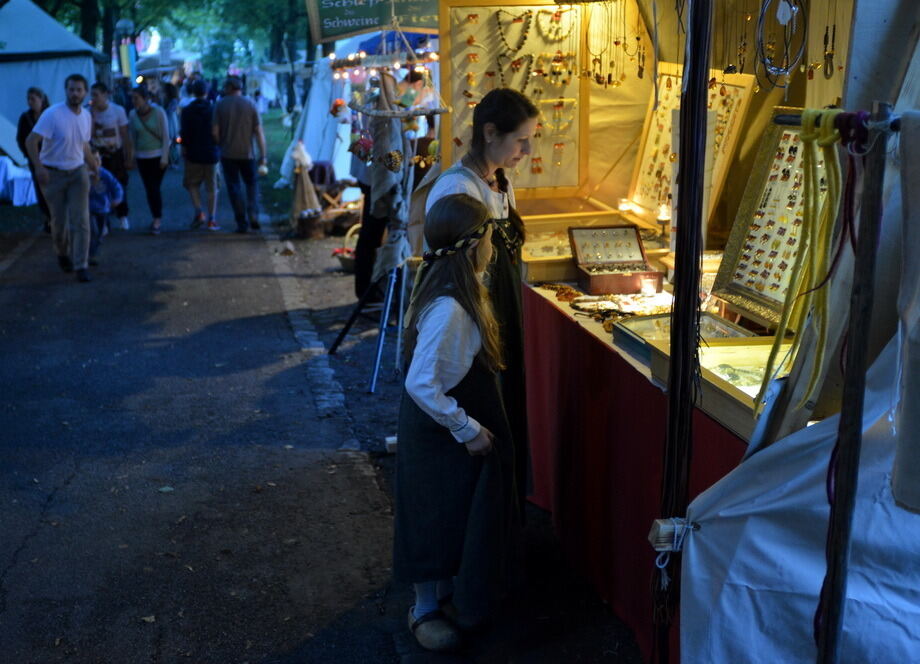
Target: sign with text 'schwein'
{"x":337,"y":19}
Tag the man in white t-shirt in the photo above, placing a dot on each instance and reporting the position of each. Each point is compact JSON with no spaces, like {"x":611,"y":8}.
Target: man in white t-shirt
{"x":64,"y":131}
{"x":112,"y":139}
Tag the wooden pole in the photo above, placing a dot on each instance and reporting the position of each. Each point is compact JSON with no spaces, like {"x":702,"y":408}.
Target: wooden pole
{"x":845,"y":468}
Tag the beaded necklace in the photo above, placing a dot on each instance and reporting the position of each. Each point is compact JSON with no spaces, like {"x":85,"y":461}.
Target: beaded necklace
{"x":526,"y":18}
{"x":516,"y":65}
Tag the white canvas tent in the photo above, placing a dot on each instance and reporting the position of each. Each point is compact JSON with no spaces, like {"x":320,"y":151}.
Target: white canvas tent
{"x":752,"y":571}
{"x":36,"y":50}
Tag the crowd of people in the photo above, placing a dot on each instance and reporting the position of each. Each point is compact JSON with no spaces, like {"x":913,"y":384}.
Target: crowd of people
{"x":80,"y":156}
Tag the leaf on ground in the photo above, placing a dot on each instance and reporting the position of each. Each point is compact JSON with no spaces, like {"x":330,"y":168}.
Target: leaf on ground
{"x":149,"y":619}
{"x":190,"y":568}
{"x":166,"y":489}
{"x":289,"y":447}
{"x":271,"y":484}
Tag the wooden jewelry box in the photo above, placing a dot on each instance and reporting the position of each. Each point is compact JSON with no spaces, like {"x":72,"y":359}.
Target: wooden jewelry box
{"x":611,"y":259}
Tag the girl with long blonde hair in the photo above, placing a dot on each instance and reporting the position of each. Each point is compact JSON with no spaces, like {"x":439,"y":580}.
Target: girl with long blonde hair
{"x":454,"y":468}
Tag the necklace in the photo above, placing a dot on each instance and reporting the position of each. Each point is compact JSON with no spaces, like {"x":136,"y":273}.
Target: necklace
{"x":597,"y":63}
{"x":526,"y":18}
{"x":830,"y":46}
{"x":552,"y":29}
{"x":473,"y":165}
{"x":516,"y":65}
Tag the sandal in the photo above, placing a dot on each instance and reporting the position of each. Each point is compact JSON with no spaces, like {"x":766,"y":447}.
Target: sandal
{"x":433,"y":631}
{"x":460,"y":621}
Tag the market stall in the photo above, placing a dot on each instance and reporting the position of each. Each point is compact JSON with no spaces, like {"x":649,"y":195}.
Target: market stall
{"x":600,"y":201}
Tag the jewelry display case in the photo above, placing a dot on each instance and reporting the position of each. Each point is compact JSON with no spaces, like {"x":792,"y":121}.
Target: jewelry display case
{"x":636,"y":334}
{"x":650,"y":196}
{"x":764,"y":241}
{"x":611,"y":259}
{"x":535,"y":48}
{"x":732,"y":370}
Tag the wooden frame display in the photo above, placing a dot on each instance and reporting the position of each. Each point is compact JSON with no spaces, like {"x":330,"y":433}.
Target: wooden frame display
{"x":763,"y":244}
{"x":611,"y":259}
{"x":729,"y":97}
{"x":533,"y":47}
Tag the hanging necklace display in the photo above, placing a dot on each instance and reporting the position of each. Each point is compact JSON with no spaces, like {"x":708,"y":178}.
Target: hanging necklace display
{"x":526,"y":19}
{"x":743,"y":41}
{"x":550,"y":23}
{"x":791,"y":16}
{"x":617,"y":73}
{"x":830,"y":46}
{"x":560,"y":125}
{"x":558,"y":149}
{"x":728,"y":26}
{"x":598,"y":71}
{"x":516,"y":65}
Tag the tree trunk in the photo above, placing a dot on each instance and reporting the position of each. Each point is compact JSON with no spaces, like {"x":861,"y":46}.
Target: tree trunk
{"x":108,"y":37}
{"x":89,"y":21}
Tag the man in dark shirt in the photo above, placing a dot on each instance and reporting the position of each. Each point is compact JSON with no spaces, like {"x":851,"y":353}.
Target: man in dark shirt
{"x":200,"y":153}
{"x":236,"y":126}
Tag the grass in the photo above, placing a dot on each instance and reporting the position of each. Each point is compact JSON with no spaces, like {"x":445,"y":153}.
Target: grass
{"x":275,"y":202}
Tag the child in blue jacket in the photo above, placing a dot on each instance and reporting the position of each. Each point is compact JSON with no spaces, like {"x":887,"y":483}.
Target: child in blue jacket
{"x":105,"y":193}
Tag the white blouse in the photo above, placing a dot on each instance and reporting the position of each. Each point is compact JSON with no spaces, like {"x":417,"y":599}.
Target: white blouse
{"x":458,"y":179}
{"x":447,"y":344}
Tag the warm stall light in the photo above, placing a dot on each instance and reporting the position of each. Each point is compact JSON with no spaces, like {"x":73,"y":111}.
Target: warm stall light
{"x":139,"y":80}
{"x":396,"y":65}
{"x":420,"y":69}
{"x":332,"y":56}
{"x":625,"y":205}
{"x":374,"y":72}
{"x":362,"y":54}
{"x":433,"y":56}
{"x":351,"y":56}
{"x":337,"y":76}
{"x":664,"y":212}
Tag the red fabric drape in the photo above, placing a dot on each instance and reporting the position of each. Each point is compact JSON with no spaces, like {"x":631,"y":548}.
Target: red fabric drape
{"x":597,"y":431}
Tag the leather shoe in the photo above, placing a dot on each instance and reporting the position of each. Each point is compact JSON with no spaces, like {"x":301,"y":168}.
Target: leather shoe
{"x":65,"y":263}
{"x":83,"y":275}
{"x":433,"y":631}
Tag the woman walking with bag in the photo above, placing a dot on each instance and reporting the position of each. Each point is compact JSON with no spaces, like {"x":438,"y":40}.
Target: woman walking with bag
{"x":38,"y":103}
{"x":150,"y":136}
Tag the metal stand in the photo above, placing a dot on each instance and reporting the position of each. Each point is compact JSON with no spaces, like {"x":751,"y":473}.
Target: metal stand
{"x":396,"y":276}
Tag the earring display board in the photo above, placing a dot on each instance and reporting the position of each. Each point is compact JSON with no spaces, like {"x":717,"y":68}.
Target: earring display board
{"x":535,"y":49}
{"x":729,"y":98}
{"x":611,"y":259}
{"x":764,"y":241}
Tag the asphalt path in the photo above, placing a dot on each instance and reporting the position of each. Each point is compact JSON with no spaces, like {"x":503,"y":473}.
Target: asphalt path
{"x":172,"y":483}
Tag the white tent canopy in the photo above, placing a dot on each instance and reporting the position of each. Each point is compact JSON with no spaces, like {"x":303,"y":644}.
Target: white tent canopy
{"x":36,"y":50}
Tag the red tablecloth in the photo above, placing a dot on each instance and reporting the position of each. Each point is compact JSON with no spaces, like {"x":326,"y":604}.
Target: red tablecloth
{"x":597,"y":430}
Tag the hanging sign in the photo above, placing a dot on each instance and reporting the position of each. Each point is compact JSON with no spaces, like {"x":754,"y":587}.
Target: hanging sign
{"x":337,"y":19}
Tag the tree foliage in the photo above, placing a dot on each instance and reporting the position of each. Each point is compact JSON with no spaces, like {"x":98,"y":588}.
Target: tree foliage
{"x":223,"y":31}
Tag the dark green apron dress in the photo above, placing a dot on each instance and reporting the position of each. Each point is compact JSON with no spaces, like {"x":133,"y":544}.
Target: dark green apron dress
{"x":454,"y":511}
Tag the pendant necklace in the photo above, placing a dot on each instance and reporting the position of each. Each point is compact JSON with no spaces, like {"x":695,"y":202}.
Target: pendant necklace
{"x":526,"y":18}
{"x":830,"y":45}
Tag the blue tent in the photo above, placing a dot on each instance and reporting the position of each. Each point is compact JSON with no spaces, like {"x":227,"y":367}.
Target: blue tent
{"x":374,"y":45}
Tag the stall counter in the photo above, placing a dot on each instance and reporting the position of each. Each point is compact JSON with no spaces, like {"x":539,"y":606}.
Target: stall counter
{"x":597,"y":426}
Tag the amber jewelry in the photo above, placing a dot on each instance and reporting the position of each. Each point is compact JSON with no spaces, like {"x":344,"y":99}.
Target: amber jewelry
{"x":516,"y":65}
{"x":472,"y":18}
{"x":526,"y":18}
{"x":536,"y":165}
{"x":468,"y":94}
{"x":490,"y":80}
{"x":552,"y":29}
{"x":471,"y":42}
{"x":472,"y":57}
{"x":558,"y":149}
{"x":471,"y":79}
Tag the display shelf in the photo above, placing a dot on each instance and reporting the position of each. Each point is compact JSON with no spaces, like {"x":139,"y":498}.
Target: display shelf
{"x":729,"y":98}
{"x":535,"y":48}
{"x":764,"y":241}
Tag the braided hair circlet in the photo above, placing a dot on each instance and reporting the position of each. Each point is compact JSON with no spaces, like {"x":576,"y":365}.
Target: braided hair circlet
{"x":466,"y":242}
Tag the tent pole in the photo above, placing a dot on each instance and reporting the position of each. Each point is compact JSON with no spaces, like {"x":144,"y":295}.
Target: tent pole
{"x":683,"y":380}
{"x":844,"y":469}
